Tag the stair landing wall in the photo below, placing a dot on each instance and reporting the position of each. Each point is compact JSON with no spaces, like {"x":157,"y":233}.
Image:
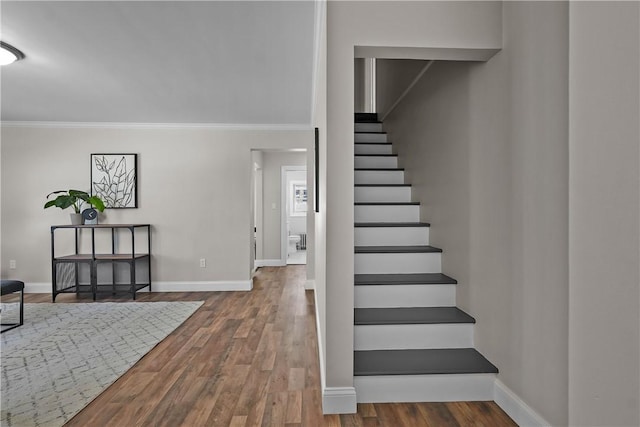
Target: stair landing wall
{"x":488,"y":162}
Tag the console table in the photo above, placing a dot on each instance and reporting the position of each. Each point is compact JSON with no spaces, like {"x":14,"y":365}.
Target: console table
{"x":78,"y":272}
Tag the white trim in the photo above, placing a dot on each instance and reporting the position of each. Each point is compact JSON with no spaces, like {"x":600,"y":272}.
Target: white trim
{"x":339,"y":400}
{"x":516,"y":408}
{"x":37,"y":288}
{"x":269,"y":263}
{"x":124,"y":125}
{"x":335,"y":400}
{"x":426,"y":53}
{"x":320,"y":347}
{"x":372,"y":86}
{"x":208,"y":286}
{"x":407,"y":90}
{"x":310,"y":285}
{"x":191,"y":286}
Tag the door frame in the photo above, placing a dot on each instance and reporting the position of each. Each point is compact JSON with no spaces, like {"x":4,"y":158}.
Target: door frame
{"x":284,"y":238}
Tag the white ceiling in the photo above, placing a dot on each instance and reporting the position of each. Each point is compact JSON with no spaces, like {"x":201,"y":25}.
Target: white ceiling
{"x":159,"y":62}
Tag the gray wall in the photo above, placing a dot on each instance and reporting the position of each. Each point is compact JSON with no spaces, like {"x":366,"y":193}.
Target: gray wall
{"x":604,"y":214}
{"x":194,"y":187}
{"x":485,"y":146}
{"x":528,"y":167}
{"x":272,"y":172}
{"x":393,"y":77}
{"x":319,"y":120}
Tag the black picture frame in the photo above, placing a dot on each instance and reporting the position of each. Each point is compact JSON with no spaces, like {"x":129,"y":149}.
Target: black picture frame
{"x":317,"y":171}
{"x":114,"y":178}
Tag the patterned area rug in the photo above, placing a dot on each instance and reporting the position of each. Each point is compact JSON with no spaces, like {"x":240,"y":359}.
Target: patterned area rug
{"x":67,"y":354}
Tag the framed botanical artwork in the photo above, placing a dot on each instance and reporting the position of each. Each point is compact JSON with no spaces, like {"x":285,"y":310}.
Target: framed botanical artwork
{"x":114,"y":179}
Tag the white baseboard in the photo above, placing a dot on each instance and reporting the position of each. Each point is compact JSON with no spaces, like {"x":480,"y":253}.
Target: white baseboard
{"x":320,"y":346}
{"x":339,"y":400}
{"x":37,"y":288}
{"x":269,"y":263}
{"x":335,"y":400}
{"x":214,"y":286}
{"x":310,"y":285}
{"x":516,"y":408}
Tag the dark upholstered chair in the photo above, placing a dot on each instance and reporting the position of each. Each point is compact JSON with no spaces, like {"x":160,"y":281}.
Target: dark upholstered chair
{"x":9,"y":287}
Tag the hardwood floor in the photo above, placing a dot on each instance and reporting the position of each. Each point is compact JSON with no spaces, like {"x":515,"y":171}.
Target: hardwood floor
{"x":245,"y":359}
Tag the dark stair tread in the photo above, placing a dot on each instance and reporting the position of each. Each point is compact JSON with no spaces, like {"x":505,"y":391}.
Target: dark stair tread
{"x":422,"y":362}
{"x":404,"y":279}
{"x":373,"y":143}
{"x":376,"y":155}
{"x":392,"y":224}
{"x":366,"y":118}
{"x":366,"y":131}
{"x":386,"y":203}
{"x":410,"y":316}
{"x":396,"y":249}
{"x":379,"y":169}
{"x":382,"y":185}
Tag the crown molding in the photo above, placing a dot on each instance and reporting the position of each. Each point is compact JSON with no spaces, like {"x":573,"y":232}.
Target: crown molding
{"x":177,"y":126}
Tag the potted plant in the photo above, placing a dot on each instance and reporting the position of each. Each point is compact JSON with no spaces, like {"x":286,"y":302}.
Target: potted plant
{"x":74,"y":198}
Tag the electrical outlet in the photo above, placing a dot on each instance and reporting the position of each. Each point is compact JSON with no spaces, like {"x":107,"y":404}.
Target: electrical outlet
{"x":203,"y":262}
{"x":12,"y":264}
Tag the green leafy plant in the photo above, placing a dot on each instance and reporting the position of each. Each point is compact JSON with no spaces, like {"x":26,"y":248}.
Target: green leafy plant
{"x":74,"y":198}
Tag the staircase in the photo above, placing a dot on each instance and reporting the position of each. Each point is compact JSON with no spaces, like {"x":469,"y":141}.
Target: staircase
{"x":412,"y":344}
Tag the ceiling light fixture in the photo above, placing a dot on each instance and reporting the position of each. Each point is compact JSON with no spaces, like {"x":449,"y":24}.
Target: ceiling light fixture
{"x":9,"y":54}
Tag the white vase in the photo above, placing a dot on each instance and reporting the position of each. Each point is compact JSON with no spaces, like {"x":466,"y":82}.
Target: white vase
{"x":76,"y":219}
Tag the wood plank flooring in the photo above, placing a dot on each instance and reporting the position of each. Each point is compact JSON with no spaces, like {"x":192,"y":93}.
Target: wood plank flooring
{"x":249,"y":359}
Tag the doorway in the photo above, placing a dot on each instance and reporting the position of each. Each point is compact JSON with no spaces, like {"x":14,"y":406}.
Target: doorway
{"x":278,"y":210}
{"x":294,"y":214}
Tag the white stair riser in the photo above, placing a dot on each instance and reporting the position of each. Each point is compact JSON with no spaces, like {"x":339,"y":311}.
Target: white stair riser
{"x":391,"y":236}
{"x":370,"y":137}
{"x":424,"y":388}
{"x":387,"y":213}
{"x":383,"y":162}
{"x":382,"y":194}
{"x":379,"y":177}
{"x":373,"y":149}
{"x":402,"y":337}
{"x":394,"y":296}
{"x":376,"y":263}
{"x":368,"y":127}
